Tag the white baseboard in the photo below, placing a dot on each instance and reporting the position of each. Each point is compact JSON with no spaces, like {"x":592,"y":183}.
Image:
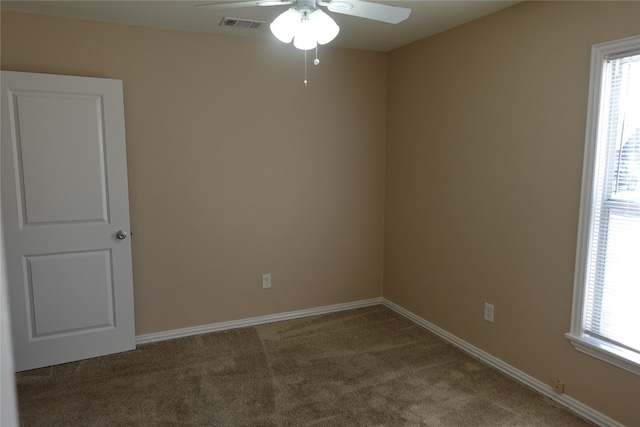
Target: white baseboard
{"x":252,"y":321}
{"x":572,"y":404}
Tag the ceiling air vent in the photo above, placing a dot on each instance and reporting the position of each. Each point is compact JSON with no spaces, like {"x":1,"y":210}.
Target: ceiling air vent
{"x":241,"y":23}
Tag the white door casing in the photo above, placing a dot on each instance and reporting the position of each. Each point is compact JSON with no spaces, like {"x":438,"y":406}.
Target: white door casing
{"x":64,"y":198}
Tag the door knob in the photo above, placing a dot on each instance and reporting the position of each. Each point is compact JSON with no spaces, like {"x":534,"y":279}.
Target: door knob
{"x":121,"y":235}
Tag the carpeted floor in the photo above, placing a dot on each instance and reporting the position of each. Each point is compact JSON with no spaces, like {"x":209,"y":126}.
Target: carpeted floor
{"x":364,"y":367}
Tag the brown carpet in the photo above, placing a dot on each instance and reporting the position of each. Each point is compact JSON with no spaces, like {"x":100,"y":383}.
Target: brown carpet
{"x":364,"y":367}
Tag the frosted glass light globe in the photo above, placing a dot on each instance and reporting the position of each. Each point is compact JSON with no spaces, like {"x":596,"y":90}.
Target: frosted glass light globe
{"x":323,"y":27}
{"x":285,"y":26}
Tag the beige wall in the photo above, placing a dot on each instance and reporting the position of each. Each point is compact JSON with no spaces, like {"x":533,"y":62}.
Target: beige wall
{"x":235,"y":168}
{"x":484,"y":158}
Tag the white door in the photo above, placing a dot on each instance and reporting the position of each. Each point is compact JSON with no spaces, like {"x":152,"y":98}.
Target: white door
{"x":64,"y":201}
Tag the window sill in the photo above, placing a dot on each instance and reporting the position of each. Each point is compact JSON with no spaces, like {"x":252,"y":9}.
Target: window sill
{"x":617,"y":356}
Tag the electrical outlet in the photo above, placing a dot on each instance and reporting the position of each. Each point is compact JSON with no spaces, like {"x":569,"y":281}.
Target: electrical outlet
{"x":488,"y":312}
{"x":266,"y":281}
{"x":558,"y":386}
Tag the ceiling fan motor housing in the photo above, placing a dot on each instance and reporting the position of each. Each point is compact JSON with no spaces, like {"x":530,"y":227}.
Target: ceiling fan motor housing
{"x":305,"y":5}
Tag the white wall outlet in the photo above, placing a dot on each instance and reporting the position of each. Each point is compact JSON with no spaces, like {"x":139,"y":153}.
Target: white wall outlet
{"x":558,"y":386}
{"x":266,"y":281}
{"x":488,"y":312}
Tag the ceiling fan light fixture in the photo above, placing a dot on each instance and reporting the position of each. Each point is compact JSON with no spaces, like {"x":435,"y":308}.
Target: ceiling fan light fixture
{"x":305,"y":27}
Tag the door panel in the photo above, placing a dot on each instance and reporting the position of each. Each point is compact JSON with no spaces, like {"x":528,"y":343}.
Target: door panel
{"x":51,"y":278}
{"x":49,"y":126}
{"x":64,"y":198}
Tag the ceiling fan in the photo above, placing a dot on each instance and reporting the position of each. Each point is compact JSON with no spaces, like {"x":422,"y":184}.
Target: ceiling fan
{"x":359,"y":8}
{"x":307,"y":25}
{"x":305,"y":19}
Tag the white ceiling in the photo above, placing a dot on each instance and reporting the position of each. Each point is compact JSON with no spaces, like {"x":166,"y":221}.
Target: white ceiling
{"x":427,"y":18}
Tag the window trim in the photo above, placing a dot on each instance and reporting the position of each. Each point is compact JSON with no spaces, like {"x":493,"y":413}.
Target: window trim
{"x":615,"y":355}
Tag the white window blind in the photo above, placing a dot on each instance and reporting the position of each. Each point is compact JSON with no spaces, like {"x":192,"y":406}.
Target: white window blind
{"x":612,"y":311}
{"x":606,"y":320}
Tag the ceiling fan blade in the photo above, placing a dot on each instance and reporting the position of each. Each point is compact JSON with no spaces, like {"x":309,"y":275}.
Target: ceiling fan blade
{"x":228,"y":4}
{"x":369,"y":10}
{"x":240,"y":4}
{"x":275,"y":2}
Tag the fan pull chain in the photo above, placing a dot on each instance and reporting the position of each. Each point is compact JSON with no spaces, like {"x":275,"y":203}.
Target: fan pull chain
{"x":315,"y":62}
{"x":306,"y":83}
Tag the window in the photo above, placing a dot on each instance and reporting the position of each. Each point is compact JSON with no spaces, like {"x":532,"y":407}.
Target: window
{"x":606,"y":304}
